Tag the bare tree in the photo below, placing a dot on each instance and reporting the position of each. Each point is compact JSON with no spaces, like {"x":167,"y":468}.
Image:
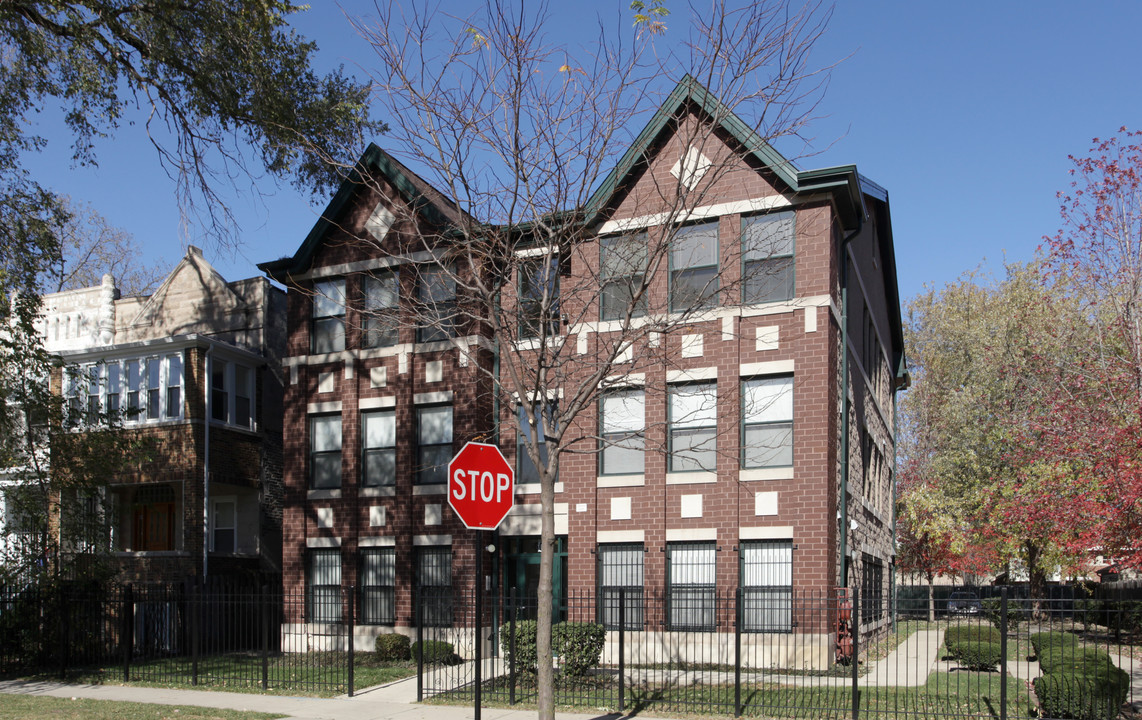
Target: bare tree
{"x":529,"y":147}
{"x":91,"y":246}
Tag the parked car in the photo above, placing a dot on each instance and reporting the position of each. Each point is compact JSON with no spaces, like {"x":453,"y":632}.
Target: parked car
{"x":964,"y":603}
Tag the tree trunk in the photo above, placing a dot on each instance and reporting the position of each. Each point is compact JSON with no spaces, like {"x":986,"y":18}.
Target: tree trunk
{"x":546,"y":669}
{"x":931,"y":600}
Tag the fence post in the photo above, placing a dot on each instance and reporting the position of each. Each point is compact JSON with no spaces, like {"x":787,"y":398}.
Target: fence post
{"x":622,"y":648}
{"x":264,"y":611}
{"x":855,"y":660}
{"x":420,"y":644}
{"x":511,"y":649}
{"x":1003,"y":654}
{"x":352,"y":634}
{"x":195,"y":628}
{"x":127,"y":639}
{"x":738,"y":652}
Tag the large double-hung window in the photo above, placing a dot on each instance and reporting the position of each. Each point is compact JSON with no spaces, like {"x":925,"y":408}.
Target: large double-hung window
{"x":767,"y":422}
{"x":327,"y":326}
{"x":545,"y":415}
{"x":767,"y":257}
{"x":621,"y":586}
{"x":622,"y":271}
{"x":382,"y":311}
{"x":767,"y":585}
{"x":324,"y":452}
{"x":623,"y":420}
{"x":539,"y":297}
{"x":693,"y":427}
{"x":379,"y":448}
{"x":434,"y":444}
{"x":153,"y":387}
{"x":378,"y":586}
{"x":323,"y":585}
{"x":438,"y":313}
{"x":694,"y":268}
{"x":690,"y":585}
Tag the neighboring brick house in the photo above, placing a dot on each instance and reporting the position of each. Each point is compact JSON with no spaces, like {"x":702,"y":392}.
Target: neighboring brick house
{"x":145,"y":361}
{"x":372,"y":404}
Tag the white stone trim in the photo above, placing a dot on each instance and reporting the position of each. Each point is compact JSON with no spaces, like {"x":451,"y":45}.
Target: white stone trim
{"x":323,"y":494}
{"x":323,"y":542}
{"x":738,"y":207}
{"x":756,"y":474}
{"x":772,"y":367}
{"x":384,"y":491}
{"x":535,"y":488}
{"x":380,"y":541}
{"x":429,"y":398}
{"x":619,"y":536}
{"x":378,"y":263}
{"x":438,"y":489}
{"x":377,"y":403}
{"x":614,"y":481}
{"x":429,"y":540}
{"x":682,"y":376}
{"x":322,"y":408}
{"x":691,"y":478}
{"x":691,"y":534}
{"x":630,"y":380}
{"x":776,"y":532}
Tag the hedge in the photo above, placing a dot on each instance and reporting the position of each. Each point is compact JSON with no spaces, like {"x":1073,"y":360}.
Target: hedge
{"x":971,"y":633}
{"x":1059,"y":659}
{"x":435,"y":651}
{"x":392,"y":646}
{"x":579,"y":645}
{"x":1093,"y":696}
{"x":1042,"y":641}
{"x":976,"y":655}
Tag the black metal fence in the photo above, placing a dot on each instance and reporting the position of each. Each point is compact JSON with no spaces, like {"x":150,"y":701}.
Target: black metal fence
{"x":798,"y":656}
{"x":178,"y":634}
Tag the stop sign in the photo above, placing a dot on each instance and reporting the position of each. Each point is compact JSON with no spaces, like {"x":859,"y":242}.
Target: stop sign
{"x":481,"y":486}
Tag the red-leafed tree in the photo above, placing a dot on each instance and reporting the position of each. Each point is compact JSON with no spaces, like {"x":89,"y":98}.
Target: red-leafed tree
{"x":1097,"y":420}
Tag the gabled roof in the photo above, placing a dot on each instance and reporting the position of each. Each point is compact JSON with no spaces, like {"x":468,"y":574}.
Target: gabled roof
{"x":843,"y":181}
{"x":374,"y":162}
{"x":213,"y":284}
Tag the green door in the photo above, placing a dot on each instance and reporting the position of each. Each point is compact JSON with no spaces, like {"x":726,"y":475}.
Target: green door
{"x":521,"y":573}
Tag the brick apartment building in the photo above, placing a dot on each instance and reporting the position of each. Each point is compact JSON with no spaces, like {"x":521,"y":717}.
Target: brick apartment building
{"x":195,"y":367}
{"x":790,"y":382}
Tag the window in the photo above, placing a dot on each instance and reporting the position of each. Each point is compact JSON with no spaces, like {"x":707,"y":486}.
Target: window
{"x":219,"y":391}
{"x":153,"y":371}
{"x":224,"y":525}
{"x":622,"y":271}
{"x":623,"y":421}
{"x":379,"y":464}
{"x":872,"y":590}
{"x":539,"y":297}
{"x":243,"y":396}
{"x":434,"y":444}
{"x":767,"y":585}
{"x":694,"y":268}
{"x":436,"y":297}
{"x":378,"y":586}
{"x":690,"y":586}
{"x":153,"y":519}
{"x":382,"y":293}
{"x":767,"y":422}
{"x":328,"y":328}
{"x":92,"y":376}
{"x":767,"y":257}
{"x":546,"y":416}
{"x":174,"y":386}
{"x":620,"y":578}
{"x":323,"y":585}
{"x":693,"y":427}
{"x":134,"y":388}
{"x":114,"y":388}
{"x":325,"y":451}
{"x":434,"y":584}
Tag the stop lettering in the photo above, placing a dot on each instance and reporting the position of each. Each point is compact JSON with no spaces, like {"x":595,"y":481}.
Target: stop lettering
{"x":481,"y":486}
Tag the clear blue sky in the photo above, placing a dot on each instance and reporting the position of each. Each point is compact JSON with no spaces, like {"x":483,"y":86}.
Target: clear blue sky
{"x":965,"y":112}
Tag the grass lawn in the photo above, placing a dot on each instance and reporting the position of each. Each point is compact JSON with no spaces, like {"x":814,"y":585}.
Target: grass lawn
{"x":960,"y":694}
{"x":39,"y":707}
{"x":309,"y":675}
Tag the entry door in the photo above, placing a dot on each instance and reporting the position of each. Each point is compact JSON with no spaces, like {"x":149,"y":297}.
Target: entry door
{"x":521,"y":572}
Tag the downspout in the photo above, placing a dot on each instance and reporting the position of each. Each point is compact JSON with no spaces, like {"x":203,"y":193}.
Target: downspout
{"x":843,"y":577}
{"x":206,"y":366}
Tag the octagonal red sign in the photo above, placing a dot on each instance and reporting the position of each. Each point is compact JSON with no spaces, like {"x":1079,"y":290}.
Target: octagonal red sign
{"x":481,"y":486}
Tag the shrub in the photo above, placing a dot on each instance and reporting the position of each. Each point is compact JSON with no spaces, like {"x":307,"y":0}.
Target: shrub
{"x":435,"y":651}
{"x":1045,"y":641}
{"x":977,"y":655}
{"x":1073,"y":659}
{"x":579,"y":644}
{"x":392,"y":647}
{"x":993,"y":611}
{"x":1093,"y":696}
{"x":526,"y":655}
{"x":971,"y":633}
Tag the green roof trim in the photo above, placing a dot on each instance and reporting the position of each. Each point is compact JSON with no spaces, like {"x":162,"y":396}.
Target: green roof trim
{"x":373,"y":159}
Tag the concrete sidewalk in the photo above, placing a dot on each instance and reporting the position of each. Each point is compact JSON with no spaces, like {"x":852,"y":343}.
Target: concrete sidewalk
{"x":380,"y":703}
